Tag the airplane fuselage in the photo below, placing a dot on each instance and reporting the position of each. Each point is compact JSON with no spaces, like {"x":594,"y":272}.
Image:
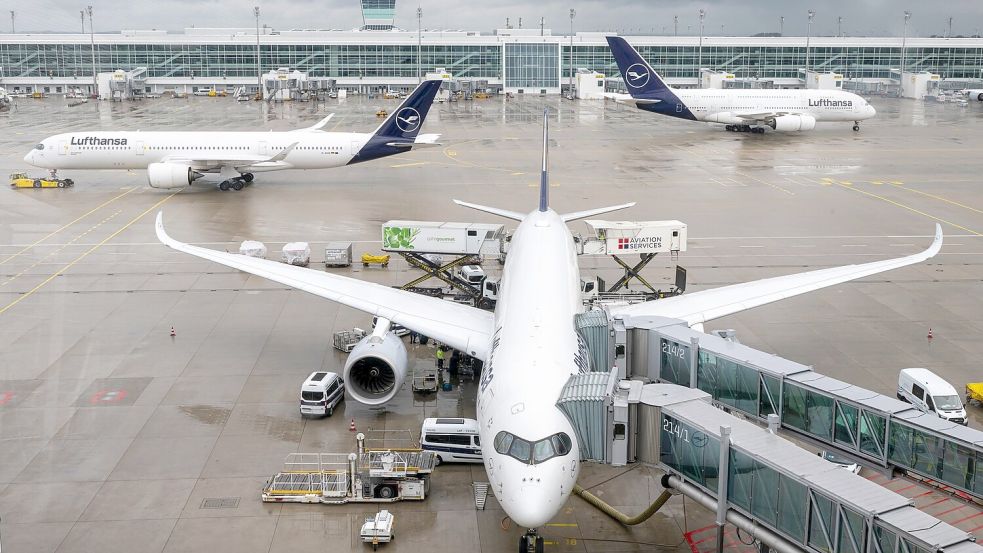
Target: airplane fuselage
{"x":724,"y":105}
{"x":137,"y":150}
{"x":534,"y":352}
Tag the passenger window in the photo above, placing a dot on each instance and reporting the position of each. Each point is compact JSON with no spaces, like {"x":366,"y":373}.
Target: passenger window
{"x":917,"y":391}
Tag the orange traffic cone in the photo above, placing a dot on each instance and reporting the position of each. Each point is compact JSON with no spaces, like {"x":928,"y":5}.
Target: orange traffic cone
{"x":173,"y":334}
{"x":930,"y":334}
{"x":351,"y":426}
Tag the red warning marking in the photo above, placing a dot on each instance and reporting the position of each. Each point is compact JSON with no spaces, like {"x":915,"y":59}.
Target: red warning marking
{"x":708,"y":543}
{"x":956,"y":508}
{"x":955,"y":522}
{"x":107,"y":396}
{"x":5,"y":397}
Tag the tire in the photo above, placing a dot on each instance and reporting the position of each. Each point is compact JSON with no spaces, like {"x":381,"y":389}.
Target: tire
{"x":237,"y":184}
{"x":540,"y":544}
{"x":248,"y":177}
{"x":385,"y":492}
{"x":856,"y":128}
{"x":61,"y":184}
{"x":365,"y":264}
{"x":437,"y":461}
{"x":980,"y":96}
{"x":224,"y":186}
{"x":69,"y":182}
{"x":524,"y":544}
{"x":329,"y":411}
{"x":37,"y":183}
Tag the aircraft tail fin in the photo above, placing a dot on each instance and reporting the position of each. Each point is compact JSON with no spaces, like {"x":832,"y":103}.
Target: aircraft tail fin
{"x":640,"y":79}
{"x":544,"y":176}
{"x":406,"y":120}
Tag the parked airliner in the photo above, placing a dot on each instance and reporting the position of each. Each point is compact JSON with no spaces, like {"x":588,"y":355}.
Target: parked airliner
{"x":175,"y":159}
{"x":529,"y":345}
{"x":973,"y":93}
{"x":741,"y":110}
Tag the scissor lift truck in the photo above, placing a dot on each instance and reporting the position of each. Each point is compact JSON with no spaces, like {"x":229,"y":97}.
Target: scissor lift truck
{"x":336,"y":478}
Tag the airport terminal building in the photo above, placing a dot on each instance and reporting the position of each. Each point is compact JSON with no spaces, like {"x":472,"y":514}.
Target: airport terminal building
{"x":513,"y":60}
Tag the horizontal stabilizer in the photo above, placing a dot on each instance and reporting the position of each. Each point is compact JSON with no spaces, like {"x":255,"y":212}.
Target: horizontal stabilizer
{"x":514,"y":215}
{"x":567,"y":217}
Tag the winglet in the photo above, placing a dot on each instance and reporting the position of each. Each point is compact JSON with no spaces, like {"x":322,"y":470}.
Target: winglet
{"x":320,"y":124}
{"x":544,"y":179}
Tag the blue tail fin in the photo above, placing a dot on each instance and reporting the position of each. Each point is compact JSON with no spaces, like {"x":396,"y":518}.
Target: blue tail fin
{"x":544,"y":178}
{"x":640,"y":79}
{"x":644,"y":84}
{"x":397,"y":133}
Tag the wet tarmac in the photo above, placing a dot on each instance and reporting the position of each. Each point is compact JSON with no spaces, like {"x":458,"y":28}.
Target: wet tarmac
{"x":115,"y":436}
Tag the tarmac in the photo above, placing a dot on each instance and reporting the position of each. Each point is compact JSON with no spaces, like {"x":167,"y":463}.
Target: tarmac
{"x":117,"y":437}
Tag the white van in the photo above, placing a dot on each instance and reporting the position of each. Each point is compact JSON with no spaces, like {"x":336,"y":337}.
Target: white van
{"x":929,"y":393}
{"x":473,"y":274}
{"x":320,"y":393}
{"x":453,"y":440}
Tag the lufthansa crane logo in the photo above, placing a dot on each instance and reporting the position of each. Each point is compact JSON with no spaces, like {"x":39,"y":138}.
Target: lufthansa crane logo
{"x":637,"y":76}
{"x":408,"y":119}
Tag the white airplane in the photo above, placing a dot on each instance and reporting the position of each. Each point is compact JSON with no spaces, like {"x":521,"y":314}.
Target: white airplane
{"x":973,"y":93}
{"x":529,"y":345}
{"x":741,"y":110}
{"x":176,"y":159}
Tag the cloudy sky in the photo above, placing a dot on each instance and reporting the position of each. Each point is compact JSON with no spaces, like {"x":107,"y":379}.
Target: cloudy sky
{"x":860,"y":17}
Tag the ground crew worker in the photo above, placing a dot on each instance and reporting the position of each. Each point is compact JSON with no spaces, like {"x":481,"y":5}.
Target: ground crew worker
{"x":440,"y":357}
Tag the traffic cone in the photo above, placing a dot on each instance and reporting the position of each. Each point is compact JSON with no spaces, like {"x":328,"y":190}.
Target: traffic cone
{"x":351,"y":427}
{"x":930,"y":334}
{"x":173,"y":334}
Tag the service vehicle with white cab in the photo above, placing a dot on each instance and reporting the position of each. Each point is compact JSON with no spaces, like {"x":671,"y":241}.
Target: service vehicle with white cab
{"x":321,"y":393}
{"x":930,"y":393}
{"x":454,"y":440}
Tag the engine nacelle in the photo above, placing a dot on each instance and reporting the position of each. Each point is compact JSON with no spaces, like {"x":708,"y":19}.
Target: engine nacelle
{"x":792,"y":123}
{"x":376,"y":368}
{"x":171,"y":175}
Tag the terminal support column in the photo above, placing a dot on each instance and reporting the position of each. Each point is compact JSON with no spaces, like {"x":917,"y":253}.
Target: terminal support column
{"x":722,"y":471}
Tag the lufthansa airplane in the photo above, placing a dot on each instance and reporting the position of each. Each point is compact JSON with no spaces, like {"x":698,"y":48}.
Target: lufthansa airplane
{"x":176,"y":159}
{"x":741,"y":110}
{"x":529,"y":345}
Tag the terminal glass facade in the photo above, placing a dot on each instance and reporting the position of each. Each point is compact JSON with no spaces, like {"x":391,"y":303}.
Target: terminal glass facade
{"x":532,"y":65}
{"x":674,"y":362}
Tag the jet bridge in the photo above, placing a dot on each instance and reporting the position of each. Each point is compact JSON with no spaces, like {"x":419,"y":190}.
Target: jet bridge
{"x":757,"y":385}
{"x":782,"y":495}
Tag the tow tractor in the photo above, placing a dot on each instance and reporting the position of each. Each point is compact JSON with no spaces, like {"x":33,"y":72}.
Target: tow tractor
{"x":21,"y":180}
{"x":378,"y":529}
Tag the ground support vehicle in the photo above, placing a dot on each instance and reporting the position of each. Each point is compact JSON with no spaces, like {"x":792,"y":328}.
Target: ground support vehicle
{"x":373,"y":476}
{"x":21,"y":180}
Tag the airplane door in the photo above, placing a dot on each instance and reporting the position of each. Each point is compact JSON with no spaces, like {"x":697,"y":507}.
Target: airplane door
{"x":139,"y":147}
{"x":679,"y":108}
{"x":263,"y":149}
{"x":62,"y":148}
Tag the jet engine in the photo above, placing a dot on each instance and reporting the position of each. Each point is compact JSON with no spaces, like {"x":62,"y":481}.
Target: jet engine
{"x":170,"y":175}
{"x":376,"y":368}
{"x":791,"y":123}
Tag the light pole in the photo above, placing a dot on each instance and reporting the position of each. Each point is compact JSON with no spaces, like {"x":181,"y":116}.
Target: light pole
{"x":781,"y":26}
{"x":904,"y":40}
{"x":82,"y":13}
{"x":573,"y":13}
{"x":699,"y":59}
{"x":419,"y":44}
{"x":92,"y":44}
{"x":259,"y":70}
{"x":675,"y":25}
{"x":839,"y":26}
{"x":13,"y":14}
{"x":808,"y":36}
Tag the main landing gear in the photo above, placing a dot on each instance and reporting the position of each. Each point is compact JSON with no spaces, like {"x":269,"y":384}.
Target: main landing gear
{"x":531,"y":542}
{"x":856,"y":126}
{"x":745,"y":128}
{"x":236,"y":183}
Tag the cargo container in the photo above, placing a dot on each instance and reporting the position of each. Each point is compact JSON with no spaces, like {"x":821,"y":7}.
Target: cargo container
{"x":338,"y":254}
{"x":449,"y":238}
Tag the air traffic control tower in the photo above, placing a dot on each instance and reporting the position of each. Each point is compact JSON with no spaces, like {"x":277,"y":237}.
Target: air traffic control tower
{"x":378,"y":15}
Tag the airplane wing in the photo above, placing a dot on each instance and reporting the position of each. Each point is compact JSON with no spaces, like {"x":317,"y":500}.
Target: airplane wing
{"x":698,"y":307}
{"x":462,"y":327}
{"x":231,"y":160}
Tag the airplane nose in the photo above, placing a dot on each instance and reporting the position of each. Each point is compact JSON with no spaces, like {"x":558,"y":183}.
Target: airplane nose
{"x":531,"y":507}
{"x":871,"y":111}
{"x":29,"y":158}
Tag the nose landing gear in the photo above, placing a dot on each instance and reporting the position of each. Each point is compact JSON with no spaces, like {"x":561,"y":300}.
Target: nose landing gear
{"x":531,"y":542}
{"x":856,"y":126}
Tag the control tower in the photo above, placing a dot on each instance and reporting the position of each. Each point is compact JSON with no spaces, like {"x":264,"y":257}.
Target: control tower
{"x":378,"y":15}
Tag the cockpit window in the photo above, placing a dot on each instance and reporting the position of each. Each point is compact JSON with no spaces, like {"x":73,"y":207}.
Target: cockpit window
{"x":533,"y":453}
{"x":39,"y":147}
